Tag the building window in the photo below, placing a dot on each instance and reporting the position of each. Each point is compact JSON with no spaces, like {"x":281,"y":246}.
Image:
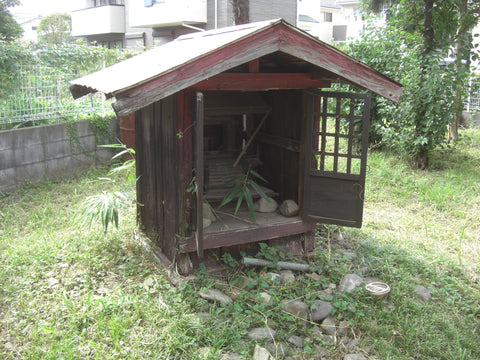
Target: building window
{"x":340,"y":33}
{"x":97,"y":3}
{"x":326,"y":16}
{"x":148,"y":3}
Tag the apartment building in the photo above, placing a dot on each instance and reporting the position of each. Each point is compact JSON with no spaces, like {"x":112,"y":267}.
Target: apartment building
{"x":147,"y":23}
{"x":330,"y":20}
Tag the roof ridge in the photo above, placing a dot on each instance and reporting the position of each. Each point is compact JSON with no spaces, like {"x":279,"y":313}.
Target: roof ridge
{"x":229,"y":29}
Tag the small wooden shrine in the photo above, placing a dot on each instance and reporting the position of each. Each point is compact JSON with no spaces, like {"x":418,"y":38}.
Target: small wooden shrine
{"x":209,"y":106}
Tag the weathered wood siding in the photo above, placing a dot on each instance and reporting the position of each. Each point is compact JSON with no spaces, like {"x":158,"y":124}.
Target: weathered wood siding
{"x":185,"y":126}
{"x":156,"y":153}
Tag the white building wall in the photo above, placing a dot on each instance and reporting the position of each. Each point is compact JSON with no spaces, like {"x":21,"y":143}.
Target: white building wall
{"x":167,"y":13}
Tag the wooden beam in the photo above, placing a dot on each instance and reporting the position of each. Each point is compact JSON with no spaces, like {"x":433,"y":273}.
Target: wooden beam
{"x":260,"y":81}
{"x":245,"y":236}
{"x":254,"y":66}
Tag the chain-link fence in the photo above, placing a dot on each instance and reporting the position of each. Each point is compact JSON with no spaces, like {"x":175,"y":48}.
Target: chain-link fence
{"x":42,"y":96}
{"x":472,"y":100}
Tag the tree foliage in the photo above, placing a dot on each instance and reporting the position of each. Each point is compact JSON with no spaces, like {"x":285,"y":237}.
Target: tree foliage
{"x":413,"y":48}
{"x":12,"y":54}
{"x":55,"y":29}
{"x":72,"y":58}
{"x":9,"y":28}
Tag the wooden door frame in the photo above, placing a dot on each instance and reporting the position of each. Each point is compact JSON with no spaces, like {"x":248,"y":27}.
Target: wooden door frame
{"x":199,"y":170}
{"x":355,"y":183}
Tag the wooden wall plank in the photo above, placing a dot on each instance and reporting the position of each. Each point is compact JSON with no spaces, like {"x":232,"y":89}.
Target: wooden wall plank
{"x":140,"y":165}
{"x":246,"y":236}
{"x":146,"y":168}
{"x":167,"y":180}
{"x":185,"y":161}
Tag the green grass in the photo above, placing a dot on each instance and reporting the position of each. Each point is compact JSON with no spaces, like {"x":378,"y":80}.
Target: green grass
{"x":70,"y":293}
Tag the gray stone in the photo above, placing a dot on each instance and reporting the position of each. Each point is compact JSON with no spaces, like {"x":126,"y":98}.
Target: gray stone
{"x":261,"y":353}
{"x":423,"y":293}
{"x":260,"y":334}
{"x":264,"y":297}
{"x":295,"y":307}
{"x":320,"y":310}
{"x":329,"y":339}
{"x":296,"y":341}
{"x":328,"y":325}
{"x":321,"y":352}
{"x":245,"y":282}
{"x":349,"y":282}
{"x":288,"y":208}
{"x":273,"y":277}
{"x":208,"y":212}
{"x":215,"y":295}
{"x":231,"y":356}
{"x":353,"y":345}
{"x":314,"y":276}
{"x":287,"y":276}
{"x":327,"y":292}
{"x":277,"y":349}
{"x":266,"y":205}
{"x":350,"y":255}
{"x":343,"y":328}
{"x":354,"y":357}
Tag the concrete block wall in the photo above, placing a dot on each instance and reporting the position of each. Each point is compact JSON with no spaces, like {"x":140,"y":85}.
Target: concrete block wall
{"x":45,"y":152}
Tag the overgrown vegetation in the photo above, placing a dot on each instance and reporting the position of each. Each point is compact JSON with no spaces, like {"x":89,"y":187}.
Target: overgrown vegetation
{"x":105,"y":206}
{"x":34,"y":86}
{"x":241,"y":188}
{"x":69,"y":293}
{"x":426,"y":46}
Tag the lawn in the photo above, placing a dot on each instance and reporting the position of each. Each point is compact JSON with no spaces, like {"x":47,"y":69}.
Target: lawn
{"x":70,"y":293}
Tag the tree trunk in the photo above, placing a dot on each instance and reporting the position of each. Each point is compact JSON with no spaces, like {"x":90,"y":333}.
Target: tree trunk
{"x":241,"y":11}
{"x":428,"y":35}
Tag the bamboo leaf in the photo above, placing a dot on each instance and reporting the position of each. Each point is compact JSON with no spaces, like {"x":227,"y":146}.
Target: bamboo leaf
{"x":259,"y":190}
{"x":230,"y":196}
{"x":127,"y":165}
{"x":249,"y":199}
{"x":258,"y":176}
{"x":113,"y":146}
{"x":126,"y":151}
{"x":239,"y":202}
{"x":233,"y":181}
